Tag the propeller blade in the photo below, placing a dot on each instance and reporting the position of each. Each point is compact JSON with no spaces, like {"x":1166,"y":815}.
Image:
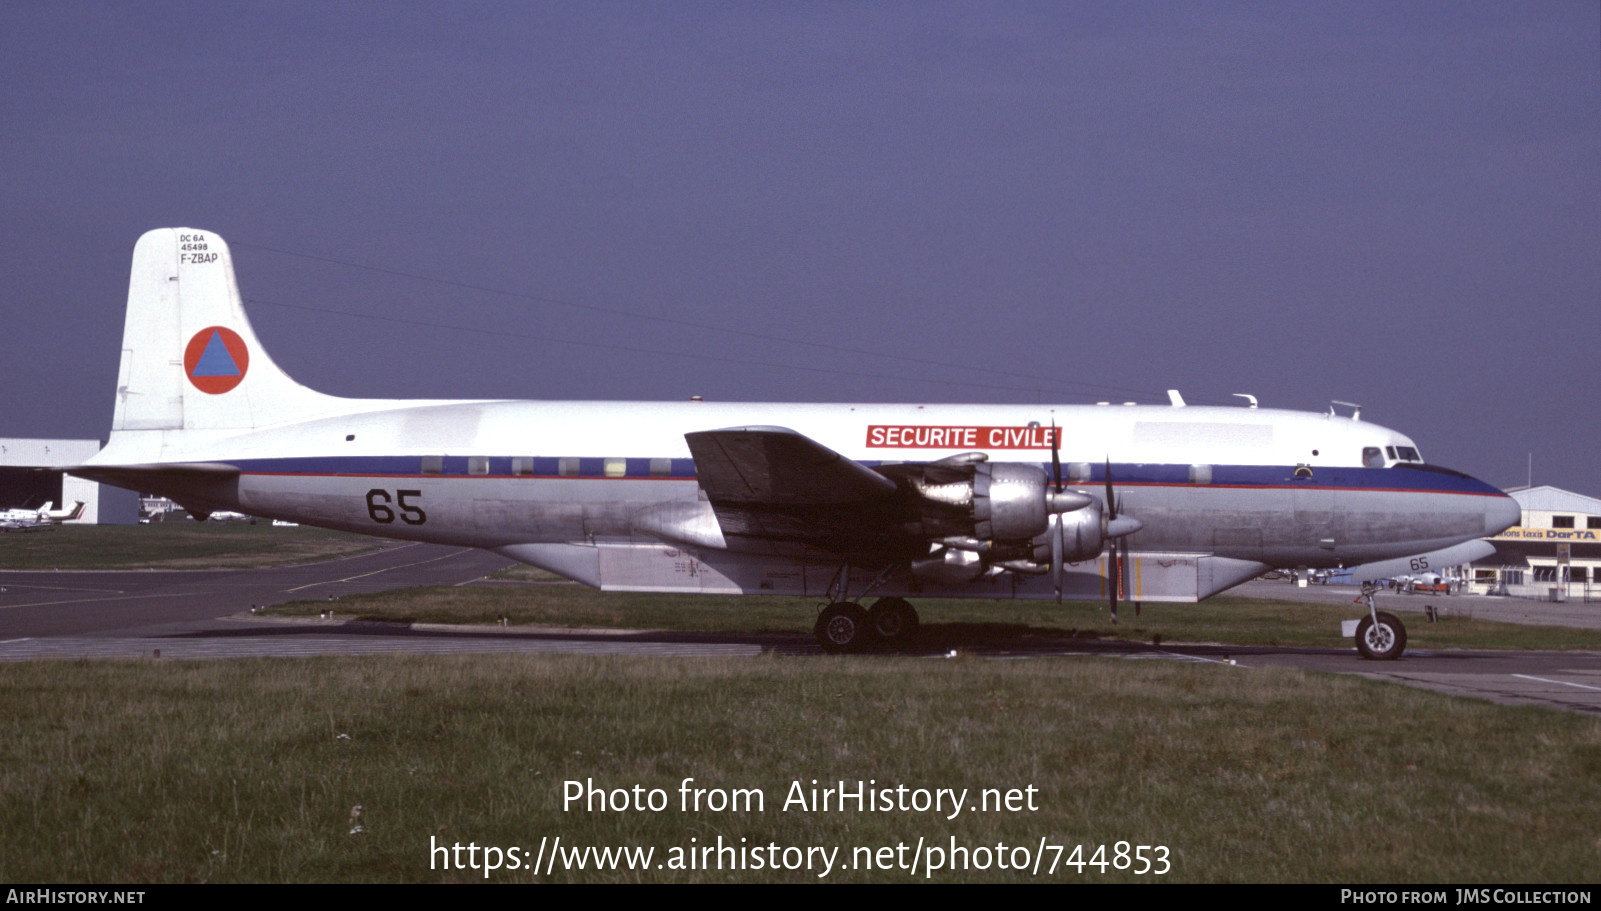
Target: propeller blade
{"x":1114,"y":575}
{"x":1111,"y":508}
{"x":1056,"y":554}
{"x":1113,"y":564}
{"x":1056,"y":456}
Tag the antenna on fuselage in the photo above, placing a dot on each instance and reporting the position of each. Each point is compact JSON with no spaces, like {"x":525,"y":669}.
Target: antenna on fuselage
{"x":1249,"y":399}
{"x":1356,"y":410}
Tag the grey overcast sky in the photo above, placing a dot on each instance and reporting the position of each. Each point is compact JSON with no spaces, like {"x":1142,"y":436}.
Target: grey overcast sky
{"x":1396,"y":204}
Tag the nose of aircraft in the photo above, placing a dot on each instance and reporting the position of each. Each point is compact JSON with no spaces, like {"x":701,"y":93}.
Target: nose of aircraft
{"x":1500,"y":514}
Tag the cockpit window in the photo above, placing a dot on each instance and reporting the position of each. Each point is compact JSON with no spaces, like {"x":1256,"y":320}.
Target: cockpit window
{"x":1373,"y":459}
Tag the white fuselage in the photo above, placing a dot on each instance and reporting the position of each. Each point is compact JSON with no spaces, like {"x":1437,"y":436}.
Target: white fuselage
{"x":1258,"y":486}
{"x":771,"y":498}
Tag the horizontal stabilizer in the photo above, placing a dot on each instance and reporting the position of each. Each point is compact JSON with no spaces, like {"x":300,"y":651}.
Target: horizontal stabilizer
{"x":1434,"y":561}
{"x":156,"y":476}
{"x":199,"y":487}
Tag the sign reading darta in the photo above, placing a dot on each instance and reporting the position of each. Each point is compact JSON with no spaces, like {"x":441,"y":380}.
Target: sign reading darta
{"x":919,"y":436}
{"x":1516,"y":533}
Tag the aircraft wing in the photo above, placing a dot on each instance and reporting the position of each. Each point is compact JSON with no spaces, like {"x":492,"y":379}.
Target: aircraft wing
{"x":771,"y":486}
{"x":776,"y":466}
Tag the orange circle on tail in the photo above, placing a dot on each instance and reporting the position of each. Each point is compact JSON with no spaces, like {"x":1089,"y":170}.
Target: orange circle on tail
{"x":216,"y":360}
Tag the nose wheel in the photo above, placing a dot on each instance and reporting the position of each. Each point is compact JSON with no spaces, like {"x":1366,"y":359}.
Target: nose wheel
{"x":1380,"y":637}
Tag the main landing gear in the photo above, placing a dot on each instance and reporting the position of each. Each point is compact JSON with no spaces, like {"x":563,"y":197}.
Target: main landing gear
{"x":1380,"y":636}
{"x":846,"y":627}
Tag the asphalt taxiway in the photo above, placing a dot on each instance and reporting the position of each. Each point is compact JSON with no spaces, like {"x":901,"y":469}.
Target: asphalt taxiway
{"x":120,"y":602}
{"x":1574,"y":612}
{"x":206,"y":614}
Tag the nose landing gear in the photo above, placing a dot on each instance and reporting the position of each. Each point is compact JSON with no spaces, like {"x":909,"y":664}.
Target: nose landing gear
{"x":1380,"y":636}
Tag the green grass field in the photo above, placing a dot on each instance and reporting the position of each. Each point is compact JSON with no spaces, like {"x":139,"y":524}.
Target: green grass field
{"x":251,"y":771}
{"x":353,"y":769}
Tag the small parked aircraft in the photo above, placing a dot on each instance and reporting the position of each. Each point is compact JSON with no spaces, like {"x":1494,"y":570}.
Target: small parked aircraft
{"x":25,"y":519}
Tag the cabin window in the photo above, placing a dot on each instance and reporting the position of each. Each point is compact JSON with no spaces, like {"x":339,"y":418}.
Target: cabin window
{"x":433,"y":464}
{"x":1372,"y":457}
{"x":1200,"y":474}
{"x":616,"y":468}
{"x":522,"y":465}
{"x":661,"y":468}
{"x":478,"y":464}
{"x":1078,"y":473}
{"x":567,"y":468}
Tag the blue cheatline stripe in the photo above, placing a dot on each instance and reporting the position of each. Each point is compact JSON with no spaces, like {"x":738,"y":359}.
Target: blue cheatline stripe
{"x":458,"y":466}
{"x":1123,"y":475}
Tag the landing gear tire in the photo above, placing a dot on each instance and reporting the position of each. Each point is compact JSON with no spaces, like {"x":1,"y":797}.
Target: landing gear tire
{"x":893,"y":621}
{"x":843,"y":628}
{"x":1381,"y":641}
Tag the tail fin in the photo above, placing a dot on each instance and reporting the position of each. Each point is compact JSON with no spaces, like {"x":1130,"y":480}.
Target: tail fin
{"x":190,"y":360}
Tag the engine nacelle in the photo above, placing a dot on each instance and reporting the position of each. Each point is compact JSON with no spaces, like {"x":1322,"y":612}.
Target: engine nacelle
{"x":1009,"y":501}
{"x":984,"y":517}
{"x":1083,"y":536}
{"x":949,"y":565}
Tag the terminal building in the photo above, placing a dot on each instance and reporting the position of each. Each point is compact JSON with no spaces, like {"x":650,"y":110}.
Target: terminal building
{"x":1553,"y":553}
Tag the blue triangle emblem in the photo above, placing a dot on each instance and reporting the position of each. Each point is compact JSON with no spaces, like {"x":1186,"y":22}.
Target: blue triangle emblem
{"x":215,"y":360}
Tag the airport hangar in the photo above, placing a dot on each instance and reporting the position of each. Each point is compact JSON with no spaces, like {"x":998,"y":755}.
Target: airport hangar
{"x":31,"y":476}
{"x":1553,"y":553}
